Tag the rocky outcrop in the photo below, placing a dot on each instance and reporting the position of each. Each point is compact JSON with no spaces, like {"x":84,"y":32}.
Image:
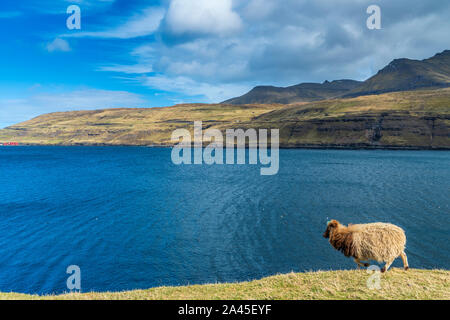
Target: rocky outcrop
{"x":387,"y":130}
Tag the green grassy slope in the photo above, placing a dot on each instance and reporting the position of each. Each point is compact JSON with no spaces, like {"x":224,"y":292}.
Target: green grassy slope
{"x":418,"y":119}
{"x":395,"y":284}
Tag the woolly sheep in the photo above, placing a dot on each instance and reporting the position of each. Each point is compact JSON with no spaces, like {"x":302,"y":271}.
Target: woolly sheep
{"x":382,"y":242}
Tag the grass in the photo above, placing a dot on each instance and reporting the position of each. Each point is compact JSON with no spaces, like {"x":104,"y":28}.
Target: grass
{"x":396,"y":284}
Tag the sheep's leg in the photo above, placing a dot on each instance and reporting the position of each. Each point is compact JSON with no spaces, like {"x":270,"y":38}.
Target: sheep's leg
{"x":387,"y":265}
{"x":360,"y":264}
{"x":405,"y":260}
{"x":366,"y":264}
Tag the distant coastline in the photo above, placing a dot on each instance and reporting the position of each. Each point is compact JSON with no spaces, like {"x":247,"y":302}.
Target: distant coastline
{"x":282,"y":147}
{"x":401,"y":120}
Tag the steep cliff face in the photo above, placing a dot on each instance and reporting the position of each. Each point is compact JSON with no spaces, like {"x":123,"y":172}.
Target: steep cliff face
{"x":386,"y":130}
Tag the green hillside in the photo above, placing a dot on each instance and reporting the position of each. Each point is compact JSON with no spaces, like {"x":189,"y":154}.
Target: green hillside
{"x":411,"y":119}
{"x":396,"y":284}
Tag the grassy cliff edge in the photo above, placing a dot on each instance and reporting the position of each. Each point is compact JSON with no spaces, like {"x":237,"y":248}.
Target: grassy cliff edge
{"x":396,"y":284}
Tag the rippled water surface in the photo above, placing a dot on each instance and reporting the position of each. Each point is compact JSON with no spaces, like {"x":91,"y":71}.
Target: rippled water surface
{"x":131,"y":219}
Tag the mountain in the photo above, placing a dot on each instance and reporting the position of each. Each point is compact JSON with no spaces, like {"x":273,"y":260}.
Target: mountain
{"x":417,"y":119}
{"x":305,"y":92}
{"x":399,"y":75}
{"x":405,"y":105}
{"x":407,"y":74}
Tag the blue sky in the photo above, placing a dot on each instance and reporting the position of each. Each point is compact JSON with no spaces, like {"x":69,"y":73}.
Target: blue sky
{"x":134,"y":53}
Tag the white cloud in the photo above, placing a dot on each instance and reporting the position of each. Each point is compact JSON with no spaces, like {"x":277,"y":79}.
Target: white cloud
{"x":202,"y":17}
{"x":143,"y":51}
{"x":217,"y":48}
{"x":14,"y":110}
{"x":58,"y":45}
{"x":129,"y":69}
{"x":88,"y":2}
{"x":211,"y":93}
{"x":143,"y":24}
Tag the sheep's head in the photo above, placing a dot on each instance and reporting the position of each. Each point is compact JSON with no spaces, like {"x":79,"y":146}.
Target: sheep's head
{"x":333,"y":224}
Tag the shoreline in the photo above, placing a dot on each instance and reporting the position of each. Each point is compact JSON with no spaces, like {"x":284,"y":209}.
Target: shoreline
{"x":281,"y":147}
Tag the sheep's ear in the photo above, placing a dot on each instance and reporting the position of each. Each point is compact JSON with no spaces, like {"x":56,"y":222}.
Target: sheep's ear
{"x":333,"y":223}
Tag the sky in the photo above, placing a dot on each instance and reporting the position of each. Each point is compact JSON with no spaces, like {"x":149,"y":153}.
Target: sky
{"x":136,"y":53}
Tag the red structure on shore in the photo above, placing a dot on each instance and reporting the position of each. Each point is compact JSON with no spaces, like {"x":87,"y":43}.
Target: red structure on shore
{"x":9,"y":143}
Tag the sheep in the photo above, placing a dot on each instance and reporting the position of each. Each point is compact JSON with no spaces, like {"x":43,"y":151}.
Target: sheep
{"x":382,"y":242}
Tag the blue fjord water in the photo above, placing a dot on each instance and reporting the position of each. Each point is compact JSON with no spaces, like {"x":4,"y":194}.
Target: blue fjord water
{"x":132,"y":219}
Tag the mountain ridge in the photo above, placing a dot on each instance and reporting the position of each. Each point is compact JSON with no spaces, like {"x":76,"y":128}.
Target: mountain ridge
{"x":336,"y":114}
{"x":303,"y":92}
